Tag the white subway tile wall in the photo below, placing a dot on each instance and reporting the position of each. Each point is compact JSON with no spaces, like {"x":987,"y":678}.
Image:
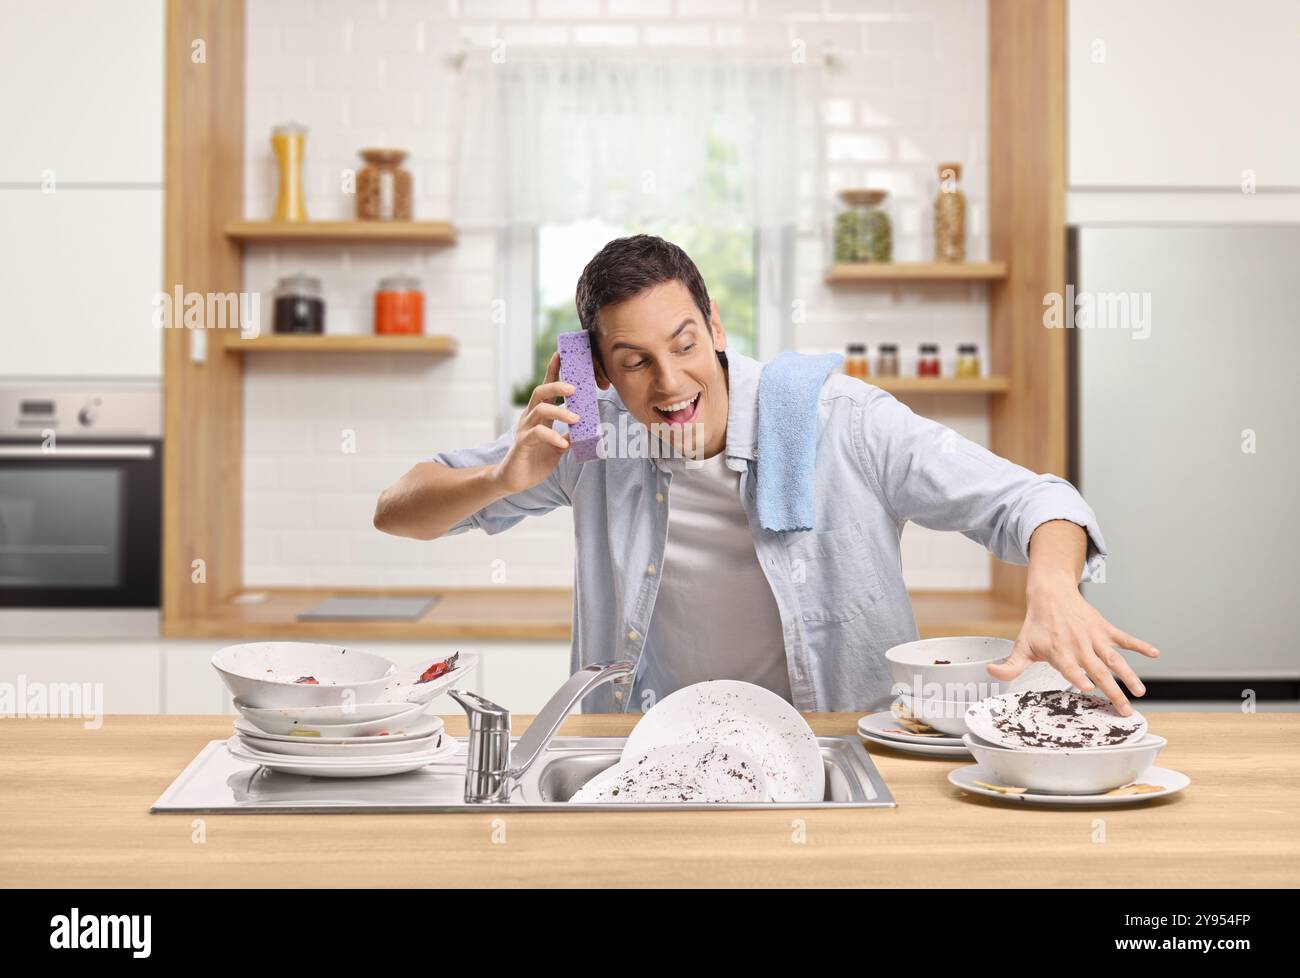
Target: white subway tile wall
{"x":323,"y":438}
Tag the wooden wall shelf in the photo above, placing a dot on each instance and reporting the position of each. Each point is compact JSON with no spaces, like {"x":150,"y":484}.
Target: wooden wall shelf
{"x":857,"y":273}
{"x":941,"y":385}
{"x":343,"y":232}
{"x":438,"y":346}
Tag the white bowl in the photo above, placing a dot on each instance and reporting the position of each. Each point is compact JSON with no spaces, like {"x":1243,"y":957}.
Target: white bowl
{"x":1067,"y":772}
{"x":265,"y":674}
{"x":342,"y":720}
{"x":953,"y":669}
{"x":946,"y":716}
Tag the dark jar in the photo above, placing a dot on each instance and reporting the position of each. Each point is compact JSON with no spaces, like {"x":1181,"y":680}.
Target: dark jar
{"x":299,"y":307}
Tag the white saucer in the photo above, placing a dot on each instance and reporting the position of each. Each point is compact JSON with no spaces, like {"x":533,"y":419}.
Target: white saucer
{"x":885,"y":726}
{"x":1170,"y":781}
{"x":929,"y":750}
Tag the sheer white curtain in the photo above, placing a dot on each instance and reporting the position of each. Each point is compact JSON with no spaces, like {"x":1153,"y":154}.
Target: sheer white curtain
{"x":629,"y":139}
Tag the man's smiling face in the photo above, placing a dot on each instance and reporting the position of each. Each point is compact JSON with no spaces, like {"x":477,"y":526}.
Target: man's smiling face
{"x":661,"y":357}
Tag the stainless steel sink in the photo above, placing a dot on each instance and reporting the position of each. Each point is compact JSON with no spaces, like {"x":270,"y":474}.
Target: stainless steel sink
{"x":537,"y":771}
{"x":216,"y":782}
{"x":852,"y":780}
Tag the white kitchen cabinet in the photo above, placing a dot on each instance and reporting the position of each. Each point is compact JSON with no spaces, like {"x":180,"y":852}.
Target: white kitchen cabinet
{"x":1183,"y":94}
{"x":78,"y":273}
{"x":84,"y":90}
{"x":82,"y":117}
{"x":125,"y":674}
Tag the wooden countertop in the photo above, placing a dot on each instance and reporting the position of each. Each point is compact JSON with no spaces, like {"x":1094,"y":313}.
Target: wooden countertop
{"x":517,"y":614}
{"x":74,"y":812}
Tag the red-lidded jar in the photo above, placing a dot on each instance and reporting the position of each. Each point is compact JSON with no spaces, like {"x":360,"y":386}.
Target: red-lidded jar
{"x":399,"y":306}
{"x":927,"y":360}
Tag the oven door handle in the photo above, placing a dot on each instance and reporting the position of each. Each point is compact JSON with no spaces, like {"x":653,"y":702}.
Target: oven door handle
{"x":77,"y":451}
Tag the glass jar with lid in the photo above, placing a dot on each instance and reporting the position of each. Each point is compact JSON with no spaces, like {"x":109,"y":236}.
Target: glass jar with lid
{"x":863,"y":231}
{"x":950,"y":215}
{"x":299,"y":307}
{"x":968,"y":361}
{"x":927,"y":360}
{"x":384,"y":186}
{"x":887,"y":360}
{"x":399,"y":306}
{"x":855,"y":361}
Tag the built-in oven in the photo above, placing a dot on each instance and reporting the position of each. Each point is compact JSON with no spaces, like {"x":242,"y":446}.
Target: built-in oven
{"x":80,"y":496}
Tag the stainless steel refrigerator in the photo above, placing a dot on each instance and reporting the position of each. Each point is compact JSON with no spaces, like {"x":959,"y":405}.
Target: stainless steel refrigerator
{"x":1187,"y":441}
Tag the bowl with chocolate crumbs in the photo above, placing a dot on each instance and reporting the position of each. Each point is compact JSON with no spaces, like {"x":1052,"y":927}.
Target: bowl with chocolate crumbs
{"x":1086,"y":771}
{"x":948,"y":669}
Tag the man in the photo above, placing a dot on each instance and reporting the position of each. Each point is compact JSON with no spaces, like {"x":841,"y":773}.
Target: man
{"x":699,"y":589}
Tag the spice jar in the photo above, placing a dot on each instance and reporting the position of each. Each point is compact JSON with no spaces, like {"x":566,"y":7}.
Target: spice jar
{"x":288,"y":143}
{"x":927,"y":361}
{"x":950,"y":216}
{"x":384,"y":186}
{"x":855,"y":362}
{"x":887,"y":360}
{"x":399,"y":306}
{"x":863,"y":231}
{"x":299,"y":307}
{"x":968,"y":361}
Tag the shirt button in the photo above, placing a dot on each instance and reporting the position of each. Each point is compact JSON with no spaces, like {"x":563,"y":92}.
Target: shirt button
{"x":650,"y":569}
{"x":659,"y":497}
{"x":631,"y":636}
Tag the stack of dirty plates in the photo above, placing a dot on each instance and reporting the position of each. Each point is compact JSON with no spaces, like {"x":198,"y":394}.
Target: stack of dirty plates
{"x":327,"y":711}
{"x":911,"y":736}
{"x":936,"y":681}
{"x":344,"y":741}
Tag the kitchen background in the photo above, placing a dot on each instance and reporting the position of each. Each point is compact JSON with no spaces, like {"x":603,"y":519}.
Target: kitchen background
{"x":1169,"y":106}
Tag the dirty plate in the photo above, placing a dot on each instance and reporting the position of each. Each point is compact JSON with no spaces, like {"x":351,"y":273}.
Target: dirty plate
{"x":342,"y":767}
{"x":1053,"y":720}
{"x":885,"y":726}
{"x":743,"y":715}
{"x":1165,"y":780}
{"x":405,"y":686}
{"x":421,"y":726}
{"x":702,"y":773}
{"x":334,"y":721}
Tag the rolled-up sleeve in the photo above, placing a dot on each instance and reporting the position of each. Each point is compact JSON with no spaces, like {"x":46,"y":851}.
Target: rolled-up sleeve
{"x":925,"y":472}
{"x":504,"y":513}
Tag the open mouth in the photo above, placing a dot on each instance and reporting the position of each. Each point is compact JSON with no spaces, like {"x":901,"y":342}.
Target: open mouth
{"x":680,"y":412}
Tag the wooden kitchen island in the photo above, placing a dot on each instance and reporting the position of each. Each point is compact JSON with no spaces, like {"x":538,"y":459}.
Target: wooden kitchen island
{"x":74,"y":813}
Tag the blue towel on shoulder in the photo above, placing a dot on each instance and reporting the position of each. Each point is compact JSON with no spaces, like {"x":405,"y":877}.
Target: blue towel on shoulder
{"x":788,"y":391}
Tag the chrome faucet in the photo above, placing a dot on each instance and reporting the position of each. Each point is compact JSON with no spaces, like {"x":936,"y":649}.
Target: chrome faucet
{"x":492,"y":768}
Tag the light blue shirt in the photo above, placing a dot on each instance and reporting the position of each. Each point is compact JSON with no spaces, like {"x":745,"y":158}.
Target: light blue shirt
{"x":839,"y":587}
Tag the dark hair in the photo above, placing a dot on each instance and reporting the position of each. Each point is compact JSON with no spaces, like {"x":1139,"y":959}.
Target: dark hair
{"x":626,"y":267}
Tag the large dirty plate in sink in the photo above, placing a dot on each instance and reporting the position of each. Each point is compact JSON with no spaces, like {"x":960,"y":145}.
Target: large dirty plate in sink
{"x":215,"y":782}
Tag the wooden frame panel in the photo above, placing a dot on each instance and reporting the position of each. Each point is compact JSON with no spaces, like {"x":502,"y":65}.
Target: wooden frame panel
{"x":1027,"y":230}
{"x":202,"y":401}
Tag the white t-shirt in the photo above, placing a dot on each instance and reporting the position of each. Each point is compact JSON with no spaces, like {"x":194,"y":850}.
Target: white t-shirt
{"x":714,"y":617}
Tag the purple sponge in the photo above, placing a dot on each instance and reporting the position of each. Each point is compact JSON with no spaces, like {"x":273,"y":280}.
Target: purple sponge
{"x":575,"y":369}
